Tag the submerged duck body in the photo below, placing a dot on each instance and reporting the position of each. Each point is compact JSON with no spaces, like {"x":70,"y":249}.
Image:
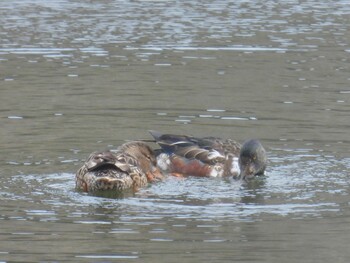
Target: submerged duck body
{"x":184,"y":155}
{"x":131,"y":166}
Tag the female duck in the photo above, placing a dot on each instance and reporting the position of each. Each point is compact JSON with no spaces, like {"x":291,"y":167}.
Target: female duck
{"x":209,"y":157}
{"x":132,"y":166}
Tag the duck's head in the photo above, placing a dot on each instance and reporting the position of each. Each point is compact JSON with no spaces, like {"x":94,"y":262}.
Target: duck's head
{"x":252,"y":159}
{"x":146,"y":159}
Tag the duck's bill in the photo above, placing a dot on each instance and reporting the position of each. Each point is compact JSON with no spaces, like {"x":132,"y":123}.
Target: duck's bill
{"x":155,"y":176}
{"x":248,"y":173}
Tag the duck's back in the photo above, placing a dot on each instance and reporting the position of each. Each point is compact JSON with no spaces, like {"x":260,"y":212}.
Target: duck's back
{"x":188,"y":155}
{"x":109,"y":171}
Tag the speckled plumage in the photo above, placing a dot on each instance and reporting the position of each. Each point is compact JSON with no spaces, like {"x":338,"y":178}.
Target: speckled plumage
{"x":132,"y":166}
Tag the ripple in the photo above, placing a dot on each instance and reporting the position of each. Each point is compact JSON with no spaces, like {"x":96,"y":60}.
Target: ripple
{"x":162,"y":239}
{"x":192,"y":48}
{"x":293,"y":186}
{"x":35,"y":50}
{"x":14,"y":117}
{"x":108,"y":256}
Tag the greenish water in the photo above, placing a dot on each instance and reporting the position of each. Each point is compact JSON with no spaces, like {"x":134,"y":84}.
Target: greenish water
{"x":78,"y":76}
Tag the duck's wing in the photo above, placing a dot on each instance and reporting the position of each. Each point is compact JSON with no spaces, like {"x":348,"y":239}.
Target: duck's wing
{"x":108,"y":159}
{"x":204,"y":155}
{"x":224,"y":147}
{"x":170,"y":142}
{"x":99,"y":159}
{"x":188,"y":147}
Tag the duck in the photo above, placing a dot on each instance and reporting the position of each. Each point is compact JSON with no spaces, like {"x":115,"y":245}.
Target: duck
{"x":183,"y":155}
{"x":133,"y":165}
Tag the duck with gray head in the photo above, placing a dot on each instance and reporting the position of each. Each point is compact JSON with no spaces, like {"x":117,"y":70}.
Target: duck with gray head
{"x":183,"y":155}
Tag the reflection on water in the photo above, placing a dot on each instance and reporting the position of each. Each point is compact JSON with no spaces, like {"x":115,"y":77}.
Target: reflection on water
{"x":191,"y":215}
{"x":296,"y":185}
{"x":77,"y":76}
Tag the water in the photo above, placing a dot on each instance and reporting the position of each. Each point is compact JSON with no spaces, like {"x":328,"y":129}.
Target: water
{"x":78,"y":76}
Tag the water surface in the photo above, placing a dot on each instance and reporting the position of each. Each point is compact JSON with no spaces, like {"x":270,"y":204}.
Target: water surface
{"x":78,"y":76}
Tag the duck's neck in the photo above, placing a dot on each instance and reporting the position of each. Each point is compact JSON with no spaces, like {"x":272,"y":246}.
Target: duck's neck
{"x":231,"y":166}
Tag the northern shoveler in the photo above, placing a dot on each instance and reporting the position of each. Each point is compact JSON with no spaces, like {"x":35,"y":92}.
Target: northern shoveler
{"x":183,"y":155}
{"x":132,"y":166}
